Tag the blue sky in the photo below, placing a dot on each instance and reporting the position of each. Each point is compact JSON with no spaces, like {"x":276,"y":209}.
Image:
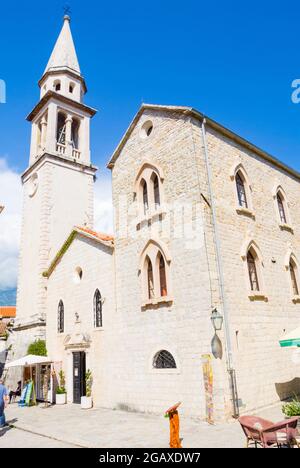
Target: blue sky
{"x":231,"y":60}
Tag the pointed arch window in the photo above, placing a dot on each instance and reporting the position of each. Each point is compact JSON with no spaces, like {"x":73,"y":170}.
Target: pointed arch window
{"x":241,"y":190}
{"x":156,"y":190}
{"x":61,"y":317}
{"x":281,"y":209}
{"x":162,"y":276}
{"x":98,"y":310}
{"x":61,"y":129}
{"x":150,"y":279}
{"x":293,"y":274}
{"x":145,"y":196}
{"x":164,"y":360}
{"x":252,"y":270}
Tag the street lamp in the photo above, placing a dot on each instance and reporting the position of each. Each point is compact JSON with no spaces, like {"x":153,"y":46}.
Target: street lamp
{"x":217,"y":320}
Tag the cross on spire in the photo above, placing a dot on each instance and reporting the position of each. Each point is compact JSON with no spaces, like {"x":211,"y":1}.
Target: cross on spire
{"x":67,"y":10}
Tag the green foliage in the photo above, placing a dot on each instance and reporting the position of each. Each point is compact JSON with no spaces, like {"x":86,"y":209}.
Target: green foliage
{"x":88,"y":383}
{"x":38,"y":348}
{"x":61,"y":389}
{"x":59,"y":254}
{"x":292,"y":408}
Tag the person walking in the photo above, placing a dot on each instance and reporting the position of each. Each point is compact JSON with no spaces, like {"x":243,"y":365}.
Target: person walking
{"x":3,"y":402}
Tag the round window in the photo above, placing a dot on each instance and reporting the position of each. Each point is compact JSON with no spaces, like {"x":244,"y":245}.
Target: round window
{"x":77,"y":275}
{"x":146,"y":129}
{"x":33,"y":185}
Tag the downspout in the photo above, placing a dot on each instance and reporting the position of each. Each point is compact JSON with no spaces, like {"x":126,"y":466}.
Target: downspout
{"x":228,"y":346}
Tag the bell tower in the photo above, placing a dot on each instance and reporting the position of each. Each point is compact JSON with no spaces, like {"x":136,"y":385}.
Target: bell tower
{"x":57,"y":185}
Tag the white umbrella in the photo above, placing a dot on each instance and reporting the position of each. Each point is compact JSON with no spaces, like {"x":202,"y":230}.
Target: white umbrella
{"x":29,"y":360}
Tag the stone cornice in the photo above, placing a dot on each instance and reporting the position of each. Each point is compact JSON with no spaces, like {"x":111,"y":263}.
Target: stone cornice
{"x":65,"y":100}
{"x":68,"y":161}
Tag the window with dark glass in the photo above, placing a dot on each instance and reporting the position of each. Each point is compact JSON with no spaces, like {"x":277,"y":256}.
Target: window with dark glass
{"x":97,"y":309}
{"x":253,"y":278}
{"x":156,"y":191}
{"x":60,"y":317}
{"x":281,"y":210}
{"x":162,"y":277}
{"x":150,"y":279}
{"x":145,"y":196}
{"x":294,"y":278}
{"x":241,"y":191}
{"x":164,"y":360}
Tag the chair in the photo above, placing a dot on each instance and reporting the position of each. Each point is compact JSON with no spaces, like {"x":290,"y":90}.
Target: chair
{"x":267,"y":434}
{"x":252,"y":427}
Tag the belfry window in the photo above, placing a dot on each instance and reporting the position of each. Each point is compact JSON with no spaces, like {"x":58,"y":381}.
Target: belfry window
{"x":60,"y":317}
{"x":97,"y":309}
{"x":61,"y":129}
{"x":75,"y":133}
{"x":57,"y":86}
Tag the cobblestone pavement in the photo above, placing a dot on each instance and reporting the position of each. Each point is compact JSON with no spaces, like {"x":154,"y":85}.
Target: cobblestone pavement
{"x":69,"y":425}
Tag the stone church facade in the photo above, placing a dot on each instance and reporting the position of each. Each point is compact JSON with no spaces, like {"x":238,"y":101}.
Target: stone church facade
{"x":204,"y":221}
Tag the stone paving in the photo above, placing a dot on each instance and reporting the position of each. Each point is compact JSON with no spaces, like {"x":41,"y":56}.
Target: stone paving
{"x":69,"y":425}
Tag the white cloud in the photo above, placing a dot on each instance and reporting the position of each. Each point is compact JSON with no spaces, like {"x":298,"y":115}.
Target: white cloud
{"x":103,"y":204}
{"x":10,"y":224}
{"x":10,"y":218}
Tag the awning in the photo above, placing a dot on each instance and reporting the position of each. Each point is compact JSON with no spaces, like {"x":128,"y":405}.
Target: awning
{"x":29,"y":360}
{"x":290,"y":339}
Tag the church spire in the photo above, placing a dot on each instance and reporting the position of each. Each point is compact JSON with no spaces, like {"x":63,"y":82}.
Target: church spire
{"x":64,"y":53}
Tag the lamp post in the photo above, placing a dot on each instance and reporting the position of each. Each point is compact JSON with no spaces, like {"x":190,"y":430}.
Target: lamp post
{"x":217,"y":320}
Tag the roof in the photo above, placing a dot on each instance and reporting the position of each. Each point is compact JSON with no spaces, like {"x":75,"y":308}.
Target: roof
{"x":64,"y":52}
{"x":7,"y":311}
{"x":52,"y":94}
{"x":100,"y":237}
{"x":190,"y":111}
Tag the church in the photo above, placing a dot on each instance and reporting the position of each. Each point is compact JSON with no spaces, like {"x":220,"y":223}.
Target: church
{"x":188,"y":299}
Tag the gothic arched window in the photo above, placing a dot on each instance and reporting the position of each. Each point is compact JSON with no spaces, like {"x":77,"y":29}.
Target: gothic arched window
{"x":280,"y":203}
{"x":162,"y":276}
{"x":145,"y":196}
{"x":150,"y":279}
{"x":156,"y":190}
{"x":164,"y":360}
{"x":61,"y":317}
{"x":97,"y":309}
{"x":252,"y":270}
{"x":61,"y":129}
{"x":293,"y":270}
{"x":241,"y":190}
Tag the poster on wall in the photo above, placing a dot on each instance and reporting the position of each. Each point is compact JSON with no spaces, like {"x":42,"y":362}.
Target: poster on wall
{"x":208,"y":386}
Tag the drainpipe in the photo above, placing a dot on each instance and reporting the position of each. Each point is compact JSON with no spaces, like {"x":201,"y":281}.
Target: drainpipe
{"x":230,"y":368}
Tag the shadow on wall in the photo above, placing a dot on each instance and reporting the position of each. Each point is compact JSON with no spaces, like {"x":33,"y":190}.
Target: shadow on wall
{"x":289,"y":389}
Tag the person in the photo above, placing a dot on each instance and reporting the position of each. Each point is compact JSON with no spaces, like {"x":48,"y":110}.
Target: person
{"x":17,"y":392}
{"x":3,"y":402}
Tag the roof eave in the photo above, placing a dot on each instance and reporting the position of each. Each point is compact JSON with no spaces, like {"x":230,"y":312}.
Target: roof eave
{"x":51,"y":94}
{"x":210,"y":122}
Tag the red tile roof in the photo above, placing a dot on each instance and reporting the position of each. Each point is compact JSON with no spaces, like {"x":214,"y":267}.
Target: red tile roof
{"x":98,"y":235}
{"x":7,"y":311}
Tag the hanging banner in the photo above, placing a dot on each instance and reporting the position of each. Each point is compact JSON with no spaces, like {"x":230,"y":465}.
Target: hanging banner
{"x":208,"y":386}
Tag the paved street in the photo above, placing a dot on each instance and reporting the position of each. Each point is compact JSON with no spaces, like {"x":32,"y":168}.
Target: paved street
{"x":69,"y":425}
{"x":16,"y":438}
